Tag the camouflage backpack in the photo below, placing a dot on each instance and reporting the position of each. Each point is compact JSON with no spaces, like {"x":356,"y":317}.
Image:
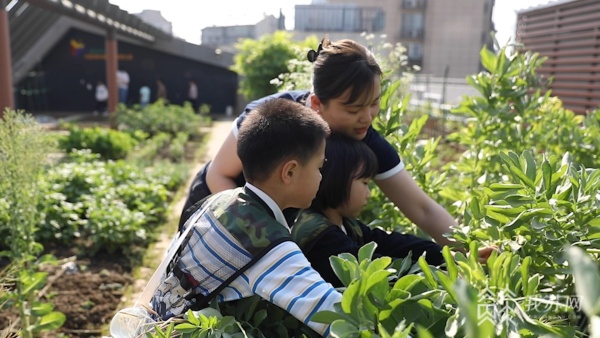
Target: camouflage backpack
{"x":234,"y":216}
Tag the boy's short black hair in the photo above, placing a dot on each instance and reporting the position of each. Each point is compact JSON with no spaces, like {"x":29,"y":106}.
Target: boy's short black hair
{"x":347,"y":159}
{"x":276,"y":131}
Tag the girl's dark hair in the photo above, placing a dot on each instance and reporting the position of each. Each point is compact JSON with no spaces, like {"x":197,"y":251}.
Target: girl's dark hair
{"x":341,"y":65}
{"x":347,"y":159}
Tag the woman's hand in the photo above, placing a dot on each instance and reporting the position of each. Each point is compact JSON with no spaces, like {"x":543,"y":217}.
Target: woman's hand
{"x":484,"y":253}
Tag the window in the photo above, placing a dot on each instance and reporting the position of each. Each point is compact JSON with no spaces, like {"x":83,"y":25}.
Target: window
{"x":412,"y":25}
{"x":415,"y":51}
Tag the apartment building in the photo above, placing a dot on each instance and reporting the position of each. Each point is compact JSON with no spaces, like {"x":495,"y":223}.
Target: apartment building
{"x":443,"y":37}
{"x":568,"y":34}
{"x":225,"y":37}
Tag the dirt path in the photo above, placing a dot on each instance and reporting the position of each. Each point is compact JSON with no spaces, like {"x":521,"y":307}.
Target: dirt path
{"x":219,"y":131}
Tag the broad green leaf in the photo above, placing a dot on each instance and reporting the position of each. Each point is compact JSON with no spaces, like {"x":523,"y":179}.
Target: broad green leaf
{"x":475,"y":208}
{"x":192,"y":318}
{"x":32,"y":281}
{"x":498,"y":217}
{"x":51,"y":321}
{"x":530,"y":166}
{"x":452,"y":325}
{"x":186,"y":327}
{"x":423,"y":332}
{"x":39,"y":309}
{"x":488,"y":59}
{"x":547,"y":178}
{"x":377,"y":287}
{"x":506,"y":186}
{"x":587,"y":280}
{"x":406,"y":264}
{"x":429,"y":278}
{"x":341,"y":269}
{"x":450,"y":264}
{"x":594,"y":222}
{"x":525,"y":274}
{"x":328,"y":317}
{"x":507,"y":210}
{"x":341,"y":328}
{"x":408,"y":282}
{"x":169,"y":330}
{"x":521,"y":176}
{"x":378,"y":265}
{"x":366,"y":251}
{"x":447,"y":284}
{"x":259,"y":316}
{"x":210,"y":312}
{"x":350,"y":296}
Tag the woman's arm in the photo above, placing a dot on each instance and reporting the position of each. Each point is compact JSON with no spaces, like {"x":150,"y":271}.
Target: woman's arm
{"x":428,"y":215}
{"x":225,"y":167}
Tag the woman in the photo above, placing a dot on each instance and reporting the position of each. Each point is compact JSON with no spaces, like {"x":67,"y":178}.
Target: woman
{"x":330,"y":226}
{"x":346,"y":92}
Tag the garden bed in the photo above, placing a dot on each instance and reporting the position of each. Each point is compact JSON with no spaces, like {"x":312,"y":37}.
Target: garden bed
{"x":96,"y":212}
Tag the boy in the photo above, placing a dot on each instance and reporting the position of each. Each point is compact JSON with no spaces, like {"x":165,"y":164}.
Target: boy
{"x":240,"y":244}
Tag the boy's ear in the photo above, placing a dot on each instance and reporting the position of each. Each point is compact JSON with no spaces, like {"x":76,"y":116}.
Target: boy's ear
{"x":288,"y":171}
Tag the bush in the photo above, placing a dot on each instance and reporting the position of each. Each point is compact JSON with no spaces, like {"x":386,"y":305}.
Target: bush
{"x":159,"y":117}
{"x":101,"y":205}
{"x":109,"y":144}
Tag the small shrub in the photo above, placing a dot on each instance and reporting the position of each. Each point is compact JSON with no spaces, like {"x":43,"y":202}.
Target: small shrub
{"x":109,"y":144}
{"x":159,"y":117}
{"x":102,"y":205}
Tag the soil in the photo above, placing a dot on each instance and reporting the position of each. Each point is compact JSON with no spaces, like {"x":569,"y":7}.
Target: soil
{"x":89,"y":291}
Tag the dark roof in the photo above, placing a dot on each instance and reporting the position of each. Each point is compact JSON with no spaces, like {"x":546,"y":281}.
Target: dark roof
{"x":36,"y":25}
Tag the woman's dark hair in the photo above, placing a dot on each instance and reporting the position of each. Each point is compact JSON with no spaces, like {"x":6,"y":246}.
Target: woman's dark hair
{"x":275,"y":131}
{"x":347,"y":160}
{"x":341,"y":65}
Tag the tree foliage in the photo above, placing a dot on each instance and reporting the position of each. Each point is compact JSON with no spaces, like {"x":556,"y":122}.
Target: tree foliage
{"x":260,"y":61}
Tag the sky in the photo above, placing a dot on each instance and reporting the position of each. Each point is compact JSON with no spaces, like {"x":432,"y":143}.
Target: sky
{"x":190,"y":16}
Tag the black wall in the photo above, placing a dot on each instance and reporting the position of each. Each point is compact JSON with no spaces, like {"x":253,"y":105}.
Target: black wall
{"x":65,"y":78}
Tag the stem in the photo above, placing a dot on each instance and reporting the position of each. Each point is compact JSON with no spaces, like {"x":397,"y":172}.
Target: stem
{"x":25,"y":320}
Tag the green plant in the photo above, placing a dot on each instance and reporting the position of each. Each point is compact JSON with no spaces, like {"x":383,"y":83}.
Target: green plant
{"x":535,"y":211}
{"x":23,"y":148}
{"x":587,"y":282}
{"x":205,"y":109}
{"x":207,"y":322}
{"x":177,"y":147}
{"x":149,"y":150}
{"x":418,"y":156}
{"x":465,"y":300}
{"x":102,"y":205}
{"x":109,"y":144}
{"x":160,"y":117}
{"x":260,"y":61}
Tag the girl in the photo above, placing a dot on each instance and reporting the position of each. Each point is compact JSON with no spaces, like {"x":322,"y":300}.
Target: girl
{"x":329,"y":227}
{"x":346,"y":92}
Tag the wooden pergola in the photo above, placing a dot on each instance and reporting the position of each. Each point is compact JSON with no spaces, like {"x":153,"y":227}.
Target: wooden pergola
{"x":99,"y":13}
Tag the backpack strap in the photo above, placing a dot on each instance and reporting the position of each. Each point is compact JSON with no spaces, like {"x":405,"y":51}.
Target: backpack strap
{"x":172,"y":251}
{"x":187,"y":213}
{"x":202,"y":301}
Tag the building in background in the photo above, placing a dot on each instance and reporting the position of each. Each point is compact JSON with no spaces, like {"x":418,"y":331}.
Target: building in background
{"x":568,"y":34}
{"x":155,"y":18}
{"x":442,"y":37}
{"x":225,"y":37}
{"x":56,"y":65}
{"x":337,"y":21}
